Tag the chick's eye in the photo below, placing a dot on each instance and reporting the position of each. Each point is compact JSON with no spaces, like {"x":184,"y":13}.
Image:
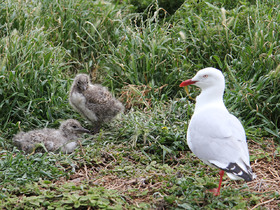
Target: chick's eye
{"x":205,"y":76}
{"x":74,"y":126}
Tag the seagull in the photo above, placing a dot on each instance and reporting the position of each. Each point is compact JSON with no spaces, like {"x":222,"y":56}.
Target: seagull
{"x":63,"y":138}
{"x":93,"y":101}
{"x":214,"y":135}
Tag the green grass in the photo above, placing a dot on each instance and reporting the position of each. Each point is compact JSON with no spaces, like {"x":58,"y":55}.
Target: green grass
{"x":142,"y":58}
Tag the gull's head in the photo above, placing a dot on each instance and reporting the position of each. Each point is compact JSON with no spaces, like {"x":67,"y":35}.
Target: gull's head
{"x":81,"y":81}
{"x":72,"y":127}
{"x":206,"y":78}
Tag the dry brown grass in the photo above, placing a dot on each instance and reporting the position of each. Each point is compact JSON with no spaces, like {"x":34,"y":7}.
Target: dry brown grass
{"x":267,"y":169}
{"x":137,"y":95}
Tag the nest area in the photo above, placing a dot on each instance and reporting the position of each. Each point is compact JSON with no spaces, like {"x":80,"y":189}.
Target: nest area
{"x":266,"y":165}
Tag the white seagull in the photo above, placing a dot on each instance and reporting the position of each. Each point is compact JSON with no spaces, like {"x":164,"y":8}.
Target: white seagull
{"x":214,"y":135}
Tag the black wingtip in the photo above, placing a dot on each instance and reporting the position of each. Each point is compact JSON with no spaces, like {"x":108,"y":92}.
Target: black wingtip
{"x":236,"y":170}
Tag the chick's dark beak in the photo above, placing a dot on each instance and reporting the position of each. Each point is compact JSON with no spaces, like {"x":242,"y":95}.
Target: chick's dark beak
{"x":82,"y":130}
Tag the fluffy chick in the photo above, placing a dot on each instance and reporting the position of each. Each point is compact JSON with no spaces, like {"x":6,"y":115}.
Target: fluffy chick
{"x":93,"y":101}
{"x":52,"y":139}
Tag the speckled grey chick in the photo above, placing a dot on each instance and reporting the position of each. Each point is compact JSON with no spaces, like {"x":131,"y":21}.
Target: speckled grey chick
{"x":52,"y":139}
{"x":93,"y":101}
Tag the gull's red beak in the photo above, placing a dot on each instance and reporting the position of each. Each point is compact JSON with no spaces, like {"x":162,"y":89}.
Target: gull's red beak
{"x":187,"y":82}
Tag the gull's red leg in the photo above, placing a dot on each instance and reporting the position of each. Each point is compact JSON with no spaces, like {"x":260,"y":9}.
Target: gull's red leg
{"x":216,"y":191}
{"x":220,"y":183}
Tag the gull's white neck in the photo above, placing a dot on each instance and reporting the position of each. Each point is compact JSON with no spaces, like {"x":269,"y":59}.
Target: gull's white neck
{"x":210,"y":97}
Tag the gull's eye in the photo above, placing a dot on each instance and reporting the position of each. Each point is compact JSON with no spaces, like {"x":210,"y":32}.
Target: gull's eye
{"x":74,"y":126}
{"x":205,"y":76}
